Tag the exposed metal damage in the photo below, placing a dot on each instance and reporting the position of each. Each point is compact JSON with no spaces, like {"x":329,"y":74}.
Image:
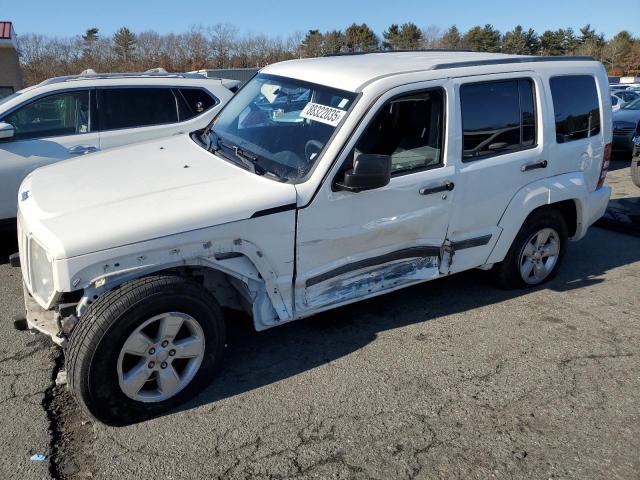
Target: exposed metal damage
{"x":373,"y":280}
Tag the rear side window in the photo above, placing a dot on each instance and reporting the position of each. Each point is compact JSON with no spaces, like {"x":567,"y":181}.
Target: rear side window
{"x":575,"y":106}
{"x":497,"y":117}
{"x":136,"y":107}
{"x":194,"y":101}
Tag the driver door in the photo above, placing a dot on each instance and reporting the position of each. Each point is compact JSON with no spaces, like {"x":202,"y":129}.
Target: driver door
{"x":356,"y":245}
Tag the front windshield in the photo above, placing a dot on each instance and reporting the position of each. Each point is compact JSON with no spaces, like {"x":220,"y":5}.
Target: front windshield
{"x":281,"y":125}
{"x":634,"y":105}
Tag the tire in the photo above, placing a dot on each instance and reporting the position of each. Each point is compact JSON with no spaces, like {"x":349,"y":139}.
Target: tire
{"x":508,"y":272}
{"x":97,"y":364}
{"x":635,"y":170}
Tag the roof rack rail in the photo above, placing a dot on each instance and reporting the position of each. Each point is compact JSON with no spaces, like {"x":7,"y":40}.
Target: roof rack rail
{"x":346,"y":54}
{"x":508,"y":60}
{"x":90,"y":74}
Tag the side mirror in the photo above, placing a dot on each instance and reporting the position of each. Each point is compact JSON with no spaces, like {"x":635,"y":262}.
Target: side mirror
{"x":6,"y":131}
{"x":369,"y":171}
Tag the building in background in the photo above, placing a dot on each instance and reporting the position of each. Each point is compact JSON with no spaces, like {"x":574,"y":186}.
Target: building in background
{"x":10,"y":73}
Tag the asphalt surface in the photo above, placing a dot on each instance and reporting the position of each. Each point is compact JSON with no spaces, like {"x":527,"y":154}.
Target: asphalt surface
{"x":449,"y":379}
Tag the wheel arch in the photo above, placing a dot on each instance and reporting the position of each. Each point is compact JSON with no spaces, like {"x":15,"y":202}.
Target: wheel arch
{"x":238,"y":277}
{"x":565,"y":193}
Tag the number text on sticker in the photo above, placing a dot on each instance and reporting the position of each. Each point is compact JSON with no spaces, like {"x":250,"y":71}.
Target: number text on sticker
{"x":322,"y":113}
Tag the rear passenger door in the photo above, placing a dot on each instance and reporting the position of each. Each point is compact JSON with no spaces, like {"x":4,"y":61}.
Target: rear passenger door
{"x":499,"y":118}
{"x":136,"y":114}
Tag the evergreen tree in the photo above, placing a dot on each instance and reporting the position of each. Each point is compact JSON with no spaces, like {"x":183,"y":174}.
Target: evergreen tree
{"x":360,"y":38}
{"x":406,"y":37}
{"x":124,"y":44}
{"x":333,"y":42}
{"x":483,"y":39}
{"x":520,"y":42}
{"x":312,"y":44}
{"x":452,"y":39}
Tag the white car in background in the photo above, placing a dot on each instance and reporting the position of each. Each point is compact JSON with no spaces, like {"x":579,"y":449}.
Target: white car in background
{"x":65,"y":117}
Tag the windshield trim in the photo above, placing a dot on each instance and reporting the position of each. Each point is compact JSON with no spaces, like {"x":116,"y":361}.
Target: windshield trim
{"x":303,"y":83}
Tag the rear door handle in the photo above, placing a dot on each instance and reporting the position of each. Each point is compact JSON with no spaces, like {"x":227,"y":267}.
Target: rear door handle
{"x":82,"y":150}
{"x":446,"y":187}
{"x":532,"y":166}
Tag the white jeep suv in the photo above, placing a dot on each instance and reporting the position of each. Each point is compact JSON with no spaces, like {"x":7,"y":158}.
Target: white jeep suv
{"x":322,"y":182}
{"x":65,"y":117}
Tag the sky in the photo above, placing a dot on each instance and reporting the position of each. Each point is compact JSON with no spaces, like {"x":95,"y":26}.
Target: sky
{"x":284,"y":17}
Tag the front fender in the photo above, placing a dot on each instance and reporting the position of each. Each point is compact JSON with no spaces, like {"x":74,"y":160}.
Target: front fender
{"x":256,"y":250}
{"x":568,"y":186}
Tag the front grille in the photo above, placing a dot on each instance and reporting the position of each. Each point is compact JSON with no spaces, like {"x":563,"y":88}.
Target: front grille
{"x":623,"y":131}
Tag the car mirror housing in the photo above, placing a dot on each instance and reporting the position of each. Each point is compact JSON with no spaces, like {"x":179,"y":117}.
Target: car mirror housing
{"x":369,"y":171}
{"x":7,"y":131}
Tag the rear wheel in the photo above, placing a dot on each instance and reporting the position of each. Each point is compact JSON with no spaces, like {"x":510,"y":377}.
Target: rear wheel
{"x":145,"y":348}
{"x":536,"y":252}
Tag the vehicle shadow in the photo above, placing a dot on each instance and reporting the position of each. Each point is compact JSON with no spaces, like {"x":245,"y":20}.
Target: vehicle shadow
{"x":8,"y":244}
{"x":256,"y":359}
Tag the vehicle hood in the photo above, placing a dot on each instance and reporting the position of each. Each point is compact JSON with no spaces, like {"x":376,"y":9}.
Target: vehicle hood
{"x":623,"y":115}
{"x":140,"y":192}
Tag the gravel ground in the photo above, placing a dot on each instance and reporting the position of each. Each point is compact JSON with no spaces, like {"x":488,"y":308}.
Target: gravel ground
{"x":452,"y":378}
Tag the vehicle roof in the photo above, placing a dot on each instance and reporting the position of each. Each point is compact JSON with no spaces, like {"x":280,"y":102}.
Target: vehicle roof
{"x":353,"y":71}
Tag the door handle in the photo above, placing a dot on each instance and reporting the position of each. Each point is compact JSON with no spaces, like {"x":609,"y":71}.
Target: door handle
{"x":532,"y":166}
{"x":82,"y":150}
{"x":445,"y":187}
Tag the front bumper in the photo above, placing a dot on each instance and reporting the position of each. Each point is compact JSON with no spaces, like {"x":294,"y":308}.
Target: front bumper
{"x":45,"y":321}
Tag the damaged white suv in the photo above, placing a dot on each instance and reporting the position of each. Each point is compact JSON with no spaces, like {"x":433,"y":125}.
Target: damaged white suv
{"x":322,"y":182}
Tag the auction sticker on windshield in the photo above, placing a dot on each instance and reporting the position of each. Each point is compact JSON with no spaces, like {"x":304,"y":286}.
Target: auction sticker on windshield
{"x":322,"y":113}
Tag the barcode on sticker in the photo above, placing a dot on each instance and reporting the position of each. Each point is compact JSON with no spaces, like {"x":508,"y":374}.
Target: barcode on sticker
{"x":322,"y":113}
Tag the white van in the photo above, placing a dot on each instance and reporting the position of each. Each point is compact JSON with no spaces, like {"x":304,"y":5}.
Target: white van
{"x":65,"y":117}
{"x":322,"y":182}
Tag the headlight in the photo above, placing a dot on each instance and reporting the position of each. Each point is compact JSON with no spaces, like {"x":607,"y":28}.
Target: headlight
{"x":41,"y":273}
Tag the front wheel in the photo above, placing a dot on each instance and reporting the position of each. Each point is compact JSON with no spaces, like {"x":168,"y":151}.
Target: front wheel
{"x":536,"y":252}
{"x":145,"y":348}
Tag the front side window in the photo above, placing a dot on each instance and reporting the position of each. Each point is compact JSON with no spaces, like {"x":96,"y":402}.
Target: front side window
{"x":497,"y":117}
{"x":61,"y":114}
{"x":410,"y":129}
{"x":136,"y":107}
{"x":575,"y":106}
{"x":279,"y":125}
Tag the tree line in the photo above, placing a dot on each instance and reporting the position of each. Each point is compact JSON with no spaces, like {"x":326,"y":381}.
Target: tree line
{"x":221,"y":46}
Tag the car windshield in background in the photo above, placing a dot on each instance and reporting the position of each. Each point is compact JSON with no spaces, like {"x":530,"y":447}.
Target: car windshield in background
{"x":279,"y":125}
{"x":634,"y":105}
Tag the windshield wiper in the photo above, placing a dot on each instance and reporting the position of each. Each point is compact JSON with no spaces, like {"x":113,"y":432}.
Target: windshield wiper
{"x":242,"y":157}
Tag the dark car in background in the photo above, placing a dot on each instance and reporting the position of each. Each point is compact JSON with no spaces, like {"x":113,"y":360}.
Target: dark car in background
{"x":626,"y":126}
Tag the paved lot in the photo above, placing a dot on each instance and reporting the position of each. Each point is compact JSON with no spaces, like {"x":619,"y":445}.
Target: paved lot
{"x":452,"y":379}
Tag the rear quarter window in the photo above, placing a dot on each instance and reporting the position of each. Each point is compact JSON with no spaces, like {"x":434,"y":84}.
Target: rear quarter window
{"x":194,"y":102}
{"x":576,"y":107}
